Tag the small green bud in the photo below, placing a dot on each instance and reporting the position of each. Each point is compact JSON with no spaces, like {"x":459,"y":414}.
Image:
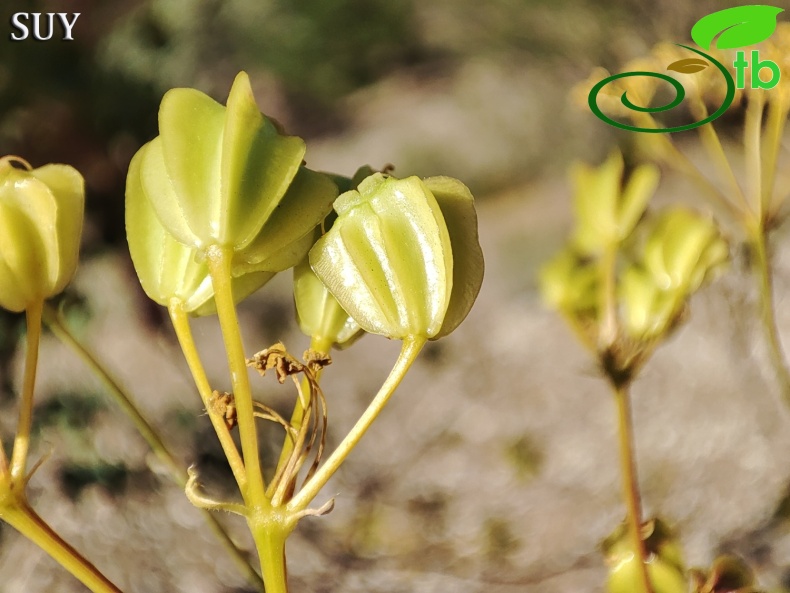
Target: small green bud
{"x":41,"y":212}
{"x":224,"y":176}
{"x":167,"y":268}
{"x":319,"y":314}
{"x":403,"y":258}
{"x":664,"y":560}
{"x":606,"y":212}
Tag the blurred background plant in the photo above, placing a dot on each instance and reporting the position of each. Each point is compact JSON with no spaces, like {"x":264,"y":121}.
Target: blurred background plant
{"x":474,"y":90}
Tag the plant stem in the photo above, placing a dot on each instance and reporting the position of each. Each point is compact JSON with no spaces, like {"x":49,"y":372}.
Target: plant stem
{"x":663,"y":150}
{"x":270,"y":536}
{"x":752,"y":146}
{"x":57,"y":325}
{"x":219,"y":264}
{"x":759,"y":244}
{"x":411,"y":348}
{"x":183,"y":331}
{"x":25,"y":520}
{"x":22,"y":439}
{"x":631,"y":494}
{"x":712,"y":143}
{"x":775,"y":125}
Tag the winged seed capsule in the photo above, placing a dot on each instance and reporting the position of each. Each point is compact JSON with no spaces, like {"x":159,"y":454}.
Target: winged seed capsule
{"x":224,"y":176}
{"x":41,"y":213}
{"x":403,"y":257}
{"x":166,"y":268}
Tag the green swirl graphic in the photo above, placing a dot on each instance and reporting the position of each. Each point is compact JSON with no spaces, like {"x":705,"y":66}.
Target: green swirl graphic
{"x":680,"y":95}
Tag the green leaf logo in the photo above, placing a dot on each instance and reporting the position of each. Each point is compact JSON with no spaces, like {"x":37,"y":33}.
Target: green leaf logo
{"x":736,"y":27}
{"x":688,"y":65}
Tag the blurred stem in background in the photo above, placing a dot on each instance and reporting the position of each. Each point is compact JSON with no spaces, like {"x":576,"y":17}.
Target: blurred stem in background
{"x":14,"y":508}
{"x":631,"y":494}
{"x":57,"y":324}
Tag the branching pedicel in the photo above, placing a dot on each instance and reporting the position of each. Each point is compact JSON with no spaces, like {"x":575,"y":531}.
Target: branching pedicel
{"x":216,"y":205}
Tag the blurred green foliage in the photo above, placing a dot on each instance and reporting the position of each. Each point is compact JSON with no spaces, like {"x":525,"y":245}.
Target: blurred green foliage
{"x":91,"y":103}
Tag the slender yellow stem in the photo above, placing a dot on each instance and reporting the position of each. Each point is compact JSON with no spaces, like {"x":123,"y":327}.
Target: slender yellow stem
{"x":56,"y":324}
{"x":58,"y":327}
{"x":25,"y":520}
{"x":22,"y":438}
{"x":664,"y":150}
{"x":762,"y":263}
{"x":631,"y":494}
{"x":712,"y":143}
{"x":775,"y":126}
{"x":411,"y":348}
{"x":180,"y":321}
{"x":219,"y":263}
{"x":752,"y":143}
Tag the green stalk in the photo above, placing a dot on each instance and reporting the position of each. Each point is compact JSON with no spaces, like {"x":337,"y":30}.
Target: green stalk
{"x":24,"y":519}
{"x":219,"y":263}
{"x":774,"y":127}
{"x":767,"y":312}
{"x":270,"y":535}
{"x":631,"y":495}
{"x":664,"y":150}
{"x":56,"y":324}
{"x":712,"y":143}
{"x":180,"y":321}
{"x":25,"y":424}
{"x":58,"y":327}
{"x":411,"y":348}
{"x":752,"y":141}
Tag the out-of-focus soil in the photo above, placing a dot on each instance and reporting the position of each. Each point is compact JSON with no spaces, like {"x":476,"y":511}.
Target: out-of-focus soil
{"x":494,"y":468}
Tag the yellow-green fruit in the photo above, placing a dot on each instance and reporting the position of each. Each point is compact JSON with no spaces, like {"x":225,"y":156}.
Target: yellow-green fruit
{"x":403,"y":257}
{"x":648,"y":310}
{"x":680,"y":252}
{"x":41,"y":212}
{"x":224,"y":176}
{"x":682,"y":249}
{"x":319,"y":314}
{"x":166,"y":268}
